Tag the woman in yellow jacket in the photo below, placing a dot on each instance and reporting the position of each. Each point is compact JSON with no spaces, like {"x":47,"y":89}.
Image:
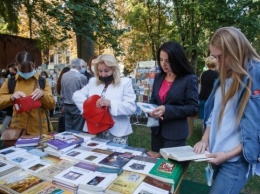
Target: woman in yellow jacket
{"x":27,"y":84}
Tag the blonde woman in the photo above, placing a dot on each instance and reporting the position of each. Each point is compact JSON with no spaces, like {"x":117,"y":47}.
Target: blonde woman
{"x":117,"y":94}
{"x":207,"y":79}
{"x":232,"y":113}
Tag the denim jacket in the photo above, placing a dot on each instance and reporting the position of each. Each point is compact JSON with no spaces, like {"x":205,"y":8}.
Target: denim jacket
{"x":250,"y":121}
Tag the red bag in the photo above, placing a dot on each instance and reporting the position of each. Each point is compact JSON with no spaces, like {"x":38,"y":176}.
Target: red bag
{"x":97,"y":119}
{"x":26,"y":104}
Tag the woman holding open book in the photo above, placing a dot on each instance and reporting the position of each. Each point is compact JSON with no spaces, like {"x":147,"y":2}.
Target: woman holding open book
{"x":175,"y":91}
{"x":232,"y":113}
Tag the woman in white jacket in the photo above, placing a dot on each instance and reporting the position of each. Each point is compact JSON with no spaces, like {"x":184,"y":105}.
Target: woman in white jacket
{"x":117,"y":94}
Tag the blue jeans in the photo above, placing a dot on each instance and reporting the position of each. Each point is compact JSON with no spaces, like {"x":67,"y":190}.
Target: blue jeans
{"x":230,"y":177}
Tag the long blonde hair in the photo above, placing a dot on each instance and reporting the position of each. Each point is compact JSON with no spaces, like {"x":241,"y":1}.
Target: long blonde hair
{"x":236,"y":53}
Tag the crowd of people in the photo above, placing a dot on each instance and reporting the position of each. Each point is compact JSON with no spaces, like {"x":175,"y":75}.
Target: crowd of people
{"x":229,"y":92}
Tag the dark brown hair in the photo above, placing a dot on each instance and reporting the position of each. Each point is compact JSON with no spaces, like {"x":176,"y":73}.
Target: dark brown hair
{"x":25,"y":61}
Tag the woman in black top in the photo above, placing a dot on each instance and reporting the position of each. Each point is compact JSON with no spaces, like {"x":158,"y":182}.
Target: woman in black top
{"x":207,"y":79}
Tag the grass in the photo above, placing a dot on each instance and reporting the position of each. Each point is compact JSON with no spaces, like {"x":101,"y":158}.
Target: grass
{"x":195,"y":173}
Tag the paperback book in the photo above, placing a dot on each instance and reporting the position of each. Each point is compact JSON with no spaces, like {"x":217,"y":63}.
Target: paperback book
{"x":19,"y":182}
{"x":35,"y":167}
{"x":56,"y":168}
{"x":146,"y":107}
{"x":140,"y":164}
{"x":76,"y":174}
{"x":183,"y":153}
{"x":100,"y":179}
{"x":153,"y":186}
{"x":126,"y":183}
{"x":60,"y":144}
{"x":48,"y":188}
{"x":7,"y":169}
{"x":116,"y":159}
{"x":28,"y":140}
{"x":84,"y":156}
{"x":10,"y":152}
{"x":23,"y":159}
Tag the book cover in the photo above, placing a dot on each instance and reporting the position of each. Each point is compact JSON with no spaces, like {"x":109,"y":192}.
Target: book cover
{"x":100,"y":179}
{"x":167,"y":170}
{"x":76,"y":174}
{"x":114,"y":147}
{"x":116,"y":159}
{"x":51,"y":159}
{"x":7,"y":169}
{"x":84,"y":156}
{"x":146,"y":107}
{"x":27,"y":140}
{"x":38,"y":152}
{"x":182,"y":153}
{"x":126,"y":183}
{"x":97,"y":181}
{"x":48,"y":188}
{"x":153,"y":186}
{"x":23,"y":159}
{"x":140,"y":164}
{"x":94,"y":144}
{"x":64,"y":143}
{"x":10,"y":152}
{"x":19,"y":182}
{"x":35,"y":167}
{"x":56,"y":168}
{"x":98,"y":150}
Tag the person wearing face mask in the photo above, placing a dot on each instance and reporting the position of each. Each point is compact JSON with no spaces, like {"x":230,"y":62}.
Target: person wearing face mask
{"x":84,"y":70}
{"x":26,"y":84}
{"x":117,"y":94}
{"x":72,"y":81}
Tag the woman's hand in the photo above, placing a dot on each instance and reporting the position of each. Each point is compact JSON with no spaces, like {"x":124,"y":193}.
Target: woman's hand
{"x":103,"y":102}
{"x":37,"y":93}
{"x":200,"y":147}
{"x":17,"y":95}
{"x":218,"y":158}
{"x":158,"y":112}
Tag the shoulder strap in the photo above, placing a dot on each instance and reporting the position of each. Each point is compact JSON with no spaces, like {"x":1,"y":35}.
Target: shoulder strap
{"x":11,"y":84}
{"x":42,"y":82}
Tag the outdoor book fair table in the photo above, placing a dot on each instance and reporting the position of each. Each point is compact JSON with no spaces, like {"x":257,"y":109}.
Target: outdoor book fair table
{"x":93,"y":164}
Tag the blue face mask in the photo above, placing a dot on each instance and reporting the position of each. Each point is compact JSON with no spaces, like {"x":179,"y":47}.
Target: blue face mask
{"x":83,"y":69}
{"x":26,"y":75}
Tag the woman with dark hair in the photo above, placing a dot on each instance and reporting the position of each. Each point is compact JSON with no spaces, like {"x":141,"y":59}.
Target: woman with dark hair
{"x":58,"y":86}
{"x":27,"y":84}
{"x":175,"y":91}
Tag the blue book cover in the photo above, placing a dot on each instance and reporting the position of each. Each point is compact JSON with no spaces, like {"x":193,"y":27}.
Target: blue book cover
{"x":116,"y":159}
{"x":61,"y":144}
{"x":27,"y":141}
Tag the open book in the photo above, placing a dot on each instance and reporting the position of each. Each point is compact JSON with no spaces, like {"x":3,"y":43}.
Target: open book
{"x":183,"y":153}
{"x":146,"y":107}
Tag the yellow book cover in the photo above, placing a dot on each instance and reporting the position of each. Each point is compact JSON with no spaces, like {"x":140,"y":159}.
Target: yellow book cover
{"x":126,"y":183}
{"x":47,"y":188}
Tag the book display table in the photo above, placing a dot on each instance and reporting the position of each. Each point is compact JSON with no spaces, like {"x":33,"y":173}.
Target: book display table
{"x":87,"y":168}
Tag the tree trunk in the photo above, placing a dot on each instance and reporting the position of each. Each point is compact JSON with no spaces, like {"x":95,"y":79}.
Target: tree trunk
{"x":85,"y":48}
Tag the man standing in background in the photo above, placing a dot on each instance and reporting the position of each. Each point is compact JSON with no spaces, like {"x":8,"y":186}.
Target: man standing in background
{"x":72,"y":81}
